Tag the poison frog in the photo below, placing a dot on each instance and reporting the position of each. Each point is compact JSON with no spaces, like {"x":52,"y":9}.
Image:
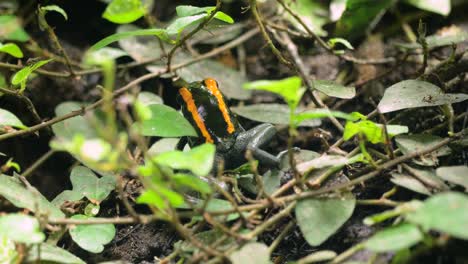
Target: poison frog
{"x":204,"y":105}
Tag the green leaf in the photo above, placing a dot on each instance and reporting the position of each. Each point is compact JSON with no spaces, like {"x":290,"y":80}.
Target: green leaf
{"x":333,"y":89}
{"x":257,"y":253}
{"x":221,"y":16}
{"x":178,"y":25}
{"x":372,"y":132}
{"x":98,"y":57}
{"x":14,"y":191}
{"x":454,"y":174}
{"x":199,"y":160}
{"x":290,"y":89}
{"x":313,"y":13}
{"x":411,"y":143}
{"x":163,"y":145}
{"x":318,"y":256}
{"x":193,"y":182}
{"x":207,"y":238}
{"x":44,"y":10}
{"x":325,"y":161}
{"x":9,"y":119}
{"x":394,"y":238}
{"x":21,"y":77}
{"x":160,"y":198}
{"x":445,"y":212}
{"x":436,"y":41}
{"x":409,"y":183}
{"x":157,"y":32}
{"x":8,"y":250}
{"x":441,"y":7}
{"x":188,"y":10}
{"x":54,"y":8}
{"x":319,"y":113}
{"x":92,"y":237}
{"x":124,"y":11}
{"x":68,"y":128}
{"x":86,"y":184}
{"x":274,"y":113}
{"x":50,"y":253}
{"x":12,"y":49}
{"x":165,"y":122}
{"x":358,"y":16}
{"x":21,"y":228}
{"x":414,"y":93}
{"x":272,"y":180}
{"x":333,"y":41}
{"x":11,"y":29}
{"x":318,"y":219}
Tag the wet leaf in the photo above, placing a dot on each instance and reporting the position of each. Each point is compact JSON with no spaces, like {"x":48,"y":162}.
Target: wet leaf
{"x":86,"y":184}
{"x":21,"y":228}
{"x":53,"y":254}
{"x":313,"y":13}
{"x":14,"y":191}
{"x":9,"y":119}
{"x":410,"y":183}
{"x":163,"y":145}
{"x":441,"y":7}
{"x":416,"y":142}
{"x":394,"y":238}
{"x":318,"y":256}
{"x":271,"y":113}
{"x":333,"y":89}
{"x":445,"y":212}
{"x":92,"y":237}
{"x":320,"y":218}
{"x":68,"y":128}
{"x":414,"y":93}
{"x":181,"y":23}
{"x":454,"y":174}
{"x":436,"y":41}
{"x":251,"y":253}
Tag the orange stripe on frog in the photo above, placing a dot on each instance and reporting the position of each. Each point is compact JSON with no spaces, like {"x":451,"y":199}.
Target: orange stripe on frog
{"x":188,"y":99}
{"x":213,"y":87}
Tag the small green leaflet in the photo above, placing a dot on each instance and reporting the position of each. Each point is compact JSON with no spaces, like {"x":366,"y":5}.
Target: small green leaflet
{"x":9,"y":119}
{"x":12,"y":49}
{"x":21,"y":77}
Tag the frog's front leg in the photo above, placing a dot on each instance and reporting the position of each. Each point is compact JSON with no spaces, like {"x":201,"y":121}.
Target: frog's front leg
{"x":258,"y":137}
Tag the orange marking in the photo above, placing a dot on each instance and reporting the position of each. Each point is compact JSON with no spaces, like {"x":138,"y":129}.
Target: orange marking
{"x":213,"y":87}
{"x":188,"y":99}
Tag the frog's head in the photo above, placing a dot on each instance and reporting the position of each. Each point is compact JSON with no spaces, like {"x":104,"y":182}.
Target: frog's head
{"x":205,"y":107}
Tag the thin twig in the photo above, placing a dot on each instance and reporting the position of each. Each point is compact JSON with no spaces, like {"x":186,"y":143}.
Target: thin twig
{"x":269,"y":42}
{"x":37,"y":163}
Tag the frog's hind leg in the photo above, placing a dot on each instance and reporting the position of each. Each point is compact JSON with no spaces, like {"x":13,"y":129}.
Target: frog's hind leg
{"x":262,"y":135}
